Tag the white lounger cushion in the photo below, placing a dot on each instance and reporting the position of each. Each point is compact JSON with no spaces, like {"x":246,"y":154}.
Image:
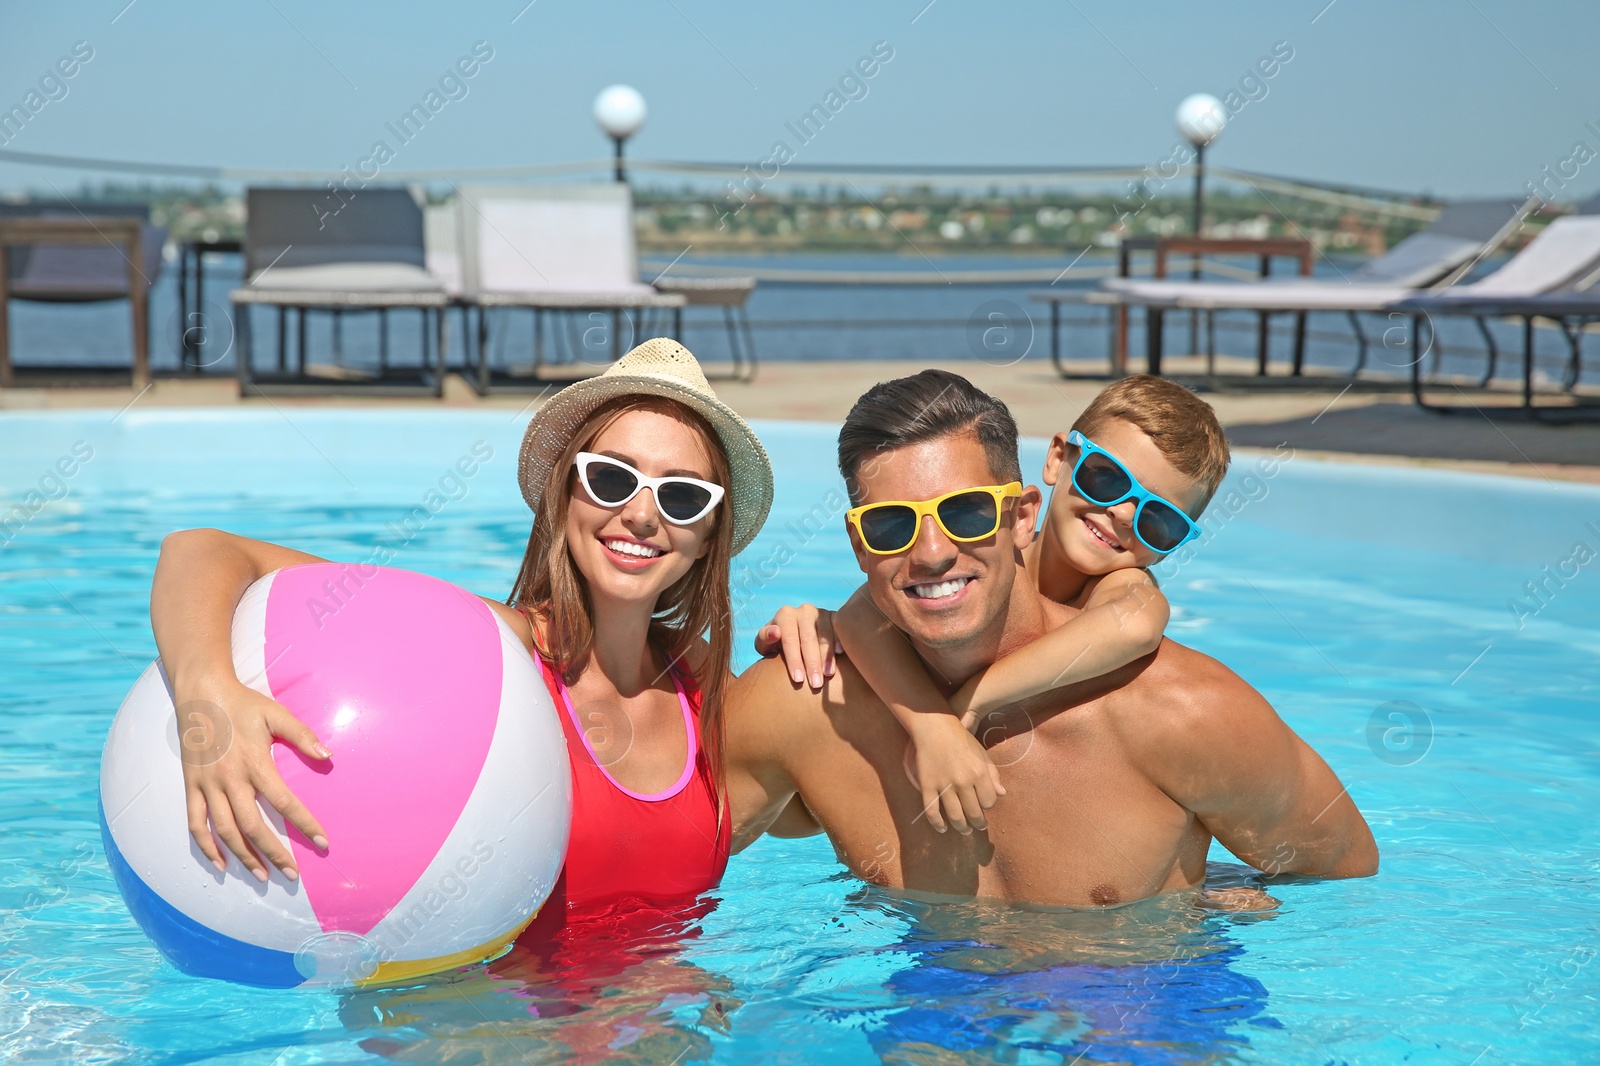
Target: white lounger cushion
{"x":1288,"y":295}
{"x":442,"y":247}
{"x":347,"y":277}
{"x":1562,"y":254}
{"x":555,"y":246}
{"x":1565,"y":253}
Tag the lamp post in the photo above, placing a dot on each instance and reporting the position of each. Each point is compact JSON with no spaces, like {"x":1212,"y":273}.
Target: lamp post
{"x":1201,"y":117}
{"x":619,"y":110}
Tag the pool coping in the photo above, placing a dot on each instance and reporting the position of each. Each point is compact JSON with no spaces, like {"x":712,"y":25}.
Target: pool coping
{"x":792,"y":392}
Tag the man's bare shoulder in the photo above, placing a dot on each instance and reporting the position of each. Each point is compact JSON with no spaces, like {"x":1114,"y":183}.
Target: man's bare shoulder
{"x":765,"y":705}
{"x":766,"y":682}
{"x":768,"y":710}
{"x":1180,"y":696}
{"x":1185,"y":715}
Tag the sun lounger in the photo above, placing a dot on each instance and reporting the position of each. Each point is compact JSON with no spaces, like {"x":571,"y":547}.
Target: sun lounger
{"x":98,"y":252}
{"x":1563,"y":256}
{"x":1439,"y":255}
{"x":1571,"y":308}
{"x":442,"y":247}
{"x":564,"y":250}
{"x":1561,"y":253}
{"x":310,"y":249}
{"x":442,"y":244}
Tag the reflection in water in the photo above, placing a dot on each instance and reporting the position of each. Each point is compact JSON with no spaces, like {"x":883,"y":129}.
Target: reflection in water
{"x":1151,"y":982}
{"x":608,"y":982}
{"x":952,"y":982}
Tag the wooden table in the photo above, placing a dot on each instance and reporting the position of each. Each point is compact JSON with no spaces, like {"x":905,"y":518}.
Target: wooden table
{"x":122,"y":232}
{"x":1163,"y":247}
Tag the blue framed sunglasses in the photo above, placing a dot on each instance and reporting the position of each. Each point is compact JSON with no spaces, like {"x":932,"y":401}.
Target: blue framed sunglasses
{"x":1100,"y":478}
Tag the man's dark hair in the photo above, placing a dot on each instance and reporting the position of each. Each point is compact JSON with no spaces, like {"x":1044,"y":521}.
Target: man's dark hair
{"x":934,"y":403}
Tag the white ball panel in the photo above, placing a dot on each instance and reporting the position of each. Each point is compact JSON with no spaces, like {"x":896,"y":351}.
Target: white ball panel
{"x":141,"y":787}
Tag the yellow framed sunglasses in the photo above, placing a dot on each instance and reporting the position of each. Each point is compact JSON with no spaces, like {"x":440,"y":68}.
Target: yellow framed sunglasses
{"x":965,"y":515}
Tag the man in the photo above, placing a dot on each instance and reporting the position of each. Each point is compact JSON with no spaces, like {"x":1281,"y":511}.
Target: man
{"x":1115,"y":787}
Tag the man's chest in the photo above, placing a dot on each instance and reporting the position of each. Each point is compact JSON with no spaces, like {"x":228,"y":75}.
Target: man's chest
{"x":1077,"y":827}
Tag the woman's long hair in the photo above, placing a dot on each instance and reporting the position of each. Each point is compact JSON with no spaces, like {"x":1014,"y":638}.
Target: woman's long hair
{"x":696,"y":605}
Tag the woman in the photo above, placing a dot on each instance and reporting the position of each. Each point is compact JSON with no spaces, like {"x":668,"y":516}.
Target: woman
{"x":644,"y":486}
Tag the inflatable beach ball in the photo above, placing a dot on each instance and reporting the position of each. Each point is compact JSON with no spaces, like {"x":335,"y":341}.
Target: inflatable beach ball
{"x":447,"y":801}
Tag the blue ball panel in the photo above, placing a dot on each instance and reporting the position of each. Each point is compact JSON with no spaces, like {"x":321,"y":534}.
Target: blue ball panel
{"x":190,"y":946}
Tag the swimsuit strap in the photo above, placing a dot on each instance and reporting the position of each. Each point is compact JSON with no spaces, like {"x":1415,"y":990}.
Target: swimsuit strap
{"x":691,"y":733}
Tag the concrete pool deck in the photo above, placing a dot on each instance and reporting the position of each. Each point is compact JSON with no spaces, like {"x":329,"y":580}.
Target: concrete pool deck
{"x":1364,"y":423}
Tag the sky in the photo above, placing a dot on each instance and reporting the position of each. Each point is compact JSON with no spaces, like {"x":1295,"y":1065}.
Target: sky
{"x":1448,"y":97}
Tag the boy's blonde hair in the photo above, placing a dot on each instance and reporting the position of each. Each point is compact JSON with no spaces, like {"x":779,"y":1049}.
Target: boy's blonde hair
{"x":1182,"y":425}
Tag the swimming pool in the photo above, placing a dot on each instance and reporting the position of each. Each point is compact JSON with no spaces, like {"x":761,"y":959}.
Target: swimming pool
{"x":1374,"y":606}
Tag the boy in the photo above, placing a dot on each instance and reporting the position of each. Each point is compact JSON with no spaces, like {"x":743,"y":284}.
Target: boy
{"x":1138,"y":468}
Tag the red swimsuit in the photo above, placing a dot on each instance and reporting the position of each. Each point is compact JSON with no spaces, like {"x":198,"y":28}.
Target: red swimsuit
{"x":662,"y":846}
{"x":635,"y":862}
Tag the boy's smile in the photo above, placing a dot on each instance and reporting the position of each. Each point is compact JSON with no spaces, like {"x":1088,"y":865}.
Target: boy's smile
{"x":1100,"y":529}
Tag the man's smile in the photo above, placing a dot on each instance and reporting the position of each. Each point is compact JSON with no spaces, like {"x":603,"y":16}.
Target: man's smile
{"x":940,"y":593}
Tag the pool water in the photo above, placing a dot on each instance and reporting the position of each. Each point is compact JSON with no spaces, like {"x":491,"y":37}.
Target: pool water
{"x":1386,"y":612}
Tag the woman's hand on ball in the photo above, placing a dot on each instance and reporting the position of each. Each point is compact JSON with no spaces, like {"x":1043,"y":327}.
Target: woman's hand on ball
{"x":225,"y":740}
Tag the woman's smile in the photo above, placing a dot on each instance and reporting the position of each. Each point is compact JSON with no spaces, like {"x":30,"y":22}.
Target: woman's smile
{"x":630,"y":553}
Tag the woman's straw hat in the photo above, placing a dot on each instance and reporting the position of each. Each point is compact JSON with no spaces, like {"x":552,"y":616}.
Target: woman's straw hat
{"x":658,"y":367}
